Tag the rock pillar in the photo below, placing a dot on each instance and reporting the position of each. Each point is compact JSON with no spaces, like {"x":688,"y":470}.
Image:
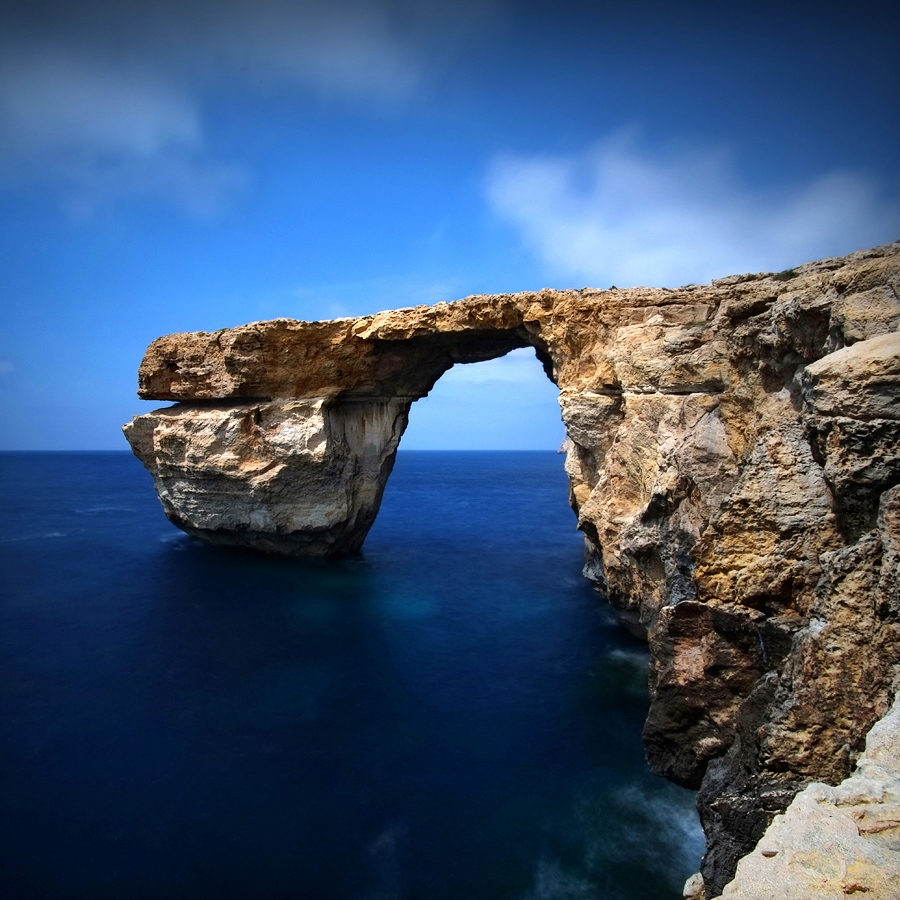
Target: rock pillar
{"x":300,"y":477}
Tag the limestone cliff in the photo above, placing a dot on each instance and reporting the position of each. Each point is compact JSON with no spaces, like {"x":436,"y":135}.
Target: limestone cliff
{"x":835,"y":841}
{"x":733,"y":460}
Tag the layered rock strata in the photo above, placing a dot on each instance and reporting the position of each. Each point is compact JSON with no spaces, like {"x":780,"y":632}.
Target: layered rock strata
{"x":733,"y":460}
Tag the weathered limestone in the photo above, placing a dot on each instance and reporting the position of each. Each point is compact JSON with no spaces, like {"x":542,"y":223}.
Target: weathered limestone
{"x":835,"y":841}
{"x":284,"y":476}
{"x":733,"y":458}
{"x":296,"y":461}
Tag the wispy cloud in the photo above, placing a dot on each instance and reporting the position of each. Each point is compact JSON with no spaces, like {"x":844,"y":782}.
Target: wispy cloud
{"x":100,"y":131}
{"x":519,"y":367}
{"x":351,"y":48}
{"x":106,"y":99}
{"x":620,"y":213}
{"x":51,"y":100}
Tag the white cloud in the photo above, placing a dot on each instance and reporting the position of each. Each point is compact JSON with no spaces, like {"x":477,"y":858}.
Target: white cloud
{"x":54,"y":102}
{"x":199,"y":188}
{"x":619,"y":214}
{"x":100,"y":131}
{"x":106,"y":99}
{"x":518,"y":367}
{"x":348,"y":49}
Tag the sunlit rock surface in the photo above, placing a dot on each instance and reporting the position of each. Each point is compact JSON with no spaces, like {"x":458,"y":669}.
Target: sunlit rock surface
{"x":733,"y":460}
{"x":835,"y":841}
{"x":286,"y":476}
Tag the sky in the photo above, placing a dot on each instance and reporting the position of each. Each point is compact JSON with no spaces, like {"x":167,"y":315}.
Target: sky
{"x":186,"y":165}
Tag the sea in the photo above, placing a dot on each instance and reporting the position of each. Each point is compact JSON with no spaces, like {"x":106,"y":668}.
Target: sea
{"x":452,"y":715}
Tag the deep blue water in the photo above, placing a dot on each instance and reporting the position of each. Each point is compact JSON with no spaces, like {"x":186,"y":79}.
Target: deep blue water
{"x":454,"y":715}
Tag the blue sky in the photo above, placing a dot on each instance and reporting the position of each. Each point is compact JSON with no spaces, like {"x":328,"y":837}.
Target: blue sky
{"x":176,"y":166}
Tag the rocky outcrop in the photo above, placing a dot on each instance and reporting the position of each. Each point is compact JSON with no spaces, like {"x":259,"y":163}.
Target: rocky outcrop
{"x":835,"y":841}
{"x":285,"y":476}
{"x":288,"y":430}
{"x":734,"y":462}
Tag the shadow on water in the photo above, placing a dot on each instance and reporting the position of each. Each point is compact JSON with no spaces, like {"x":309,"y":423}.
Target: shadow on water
{"x":450,"y":715}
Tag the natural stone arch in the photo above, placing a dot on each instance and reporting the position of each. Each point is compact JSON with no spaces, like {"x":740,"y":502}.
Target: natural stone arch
{"x":277,"y":471}
{"x":734,"y":463}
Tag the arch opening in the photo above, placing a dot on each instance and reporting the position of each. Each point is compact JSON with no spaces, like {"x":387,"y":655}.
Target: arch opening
{"x":504,"y":403}
{"x":492,"y":623}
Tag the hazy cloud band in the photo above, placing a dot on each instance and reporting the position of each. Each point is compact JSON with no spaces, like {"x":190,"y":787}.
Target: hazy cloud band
{"x":621,"y":214}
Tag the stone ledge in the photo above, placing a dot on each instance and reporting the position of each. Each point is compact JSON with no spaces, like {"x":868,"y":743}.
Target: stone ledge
{"x":834,"y":842}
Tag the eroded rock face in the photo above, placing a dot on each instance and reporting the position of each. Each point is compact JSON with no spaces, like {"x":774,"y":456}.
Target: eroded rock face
{"x":283,"y":476}
{"x":733,"y":460}
{"x":835,"y":841}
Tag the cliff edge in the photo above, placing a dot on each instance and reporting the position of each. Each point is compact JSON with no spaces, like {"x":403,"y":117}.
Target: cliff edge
{"x":835,"y":841}
{"x":734,"y":463}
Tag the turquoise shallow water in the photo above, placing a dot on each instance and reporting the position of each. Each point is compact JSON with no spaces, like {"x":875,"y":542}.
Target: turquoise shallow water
{"x":454,"y":715}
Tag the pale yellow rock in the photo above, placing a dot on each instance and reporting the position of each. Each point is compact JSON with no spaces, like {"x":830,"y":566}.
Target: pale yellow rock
{"x":834,"y":842}
{"x":694,"y":889}
{"x":867,"y":314}
{"x":763,"y":546}
{"x":858,"y":382}
{"x":290,"y":475}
